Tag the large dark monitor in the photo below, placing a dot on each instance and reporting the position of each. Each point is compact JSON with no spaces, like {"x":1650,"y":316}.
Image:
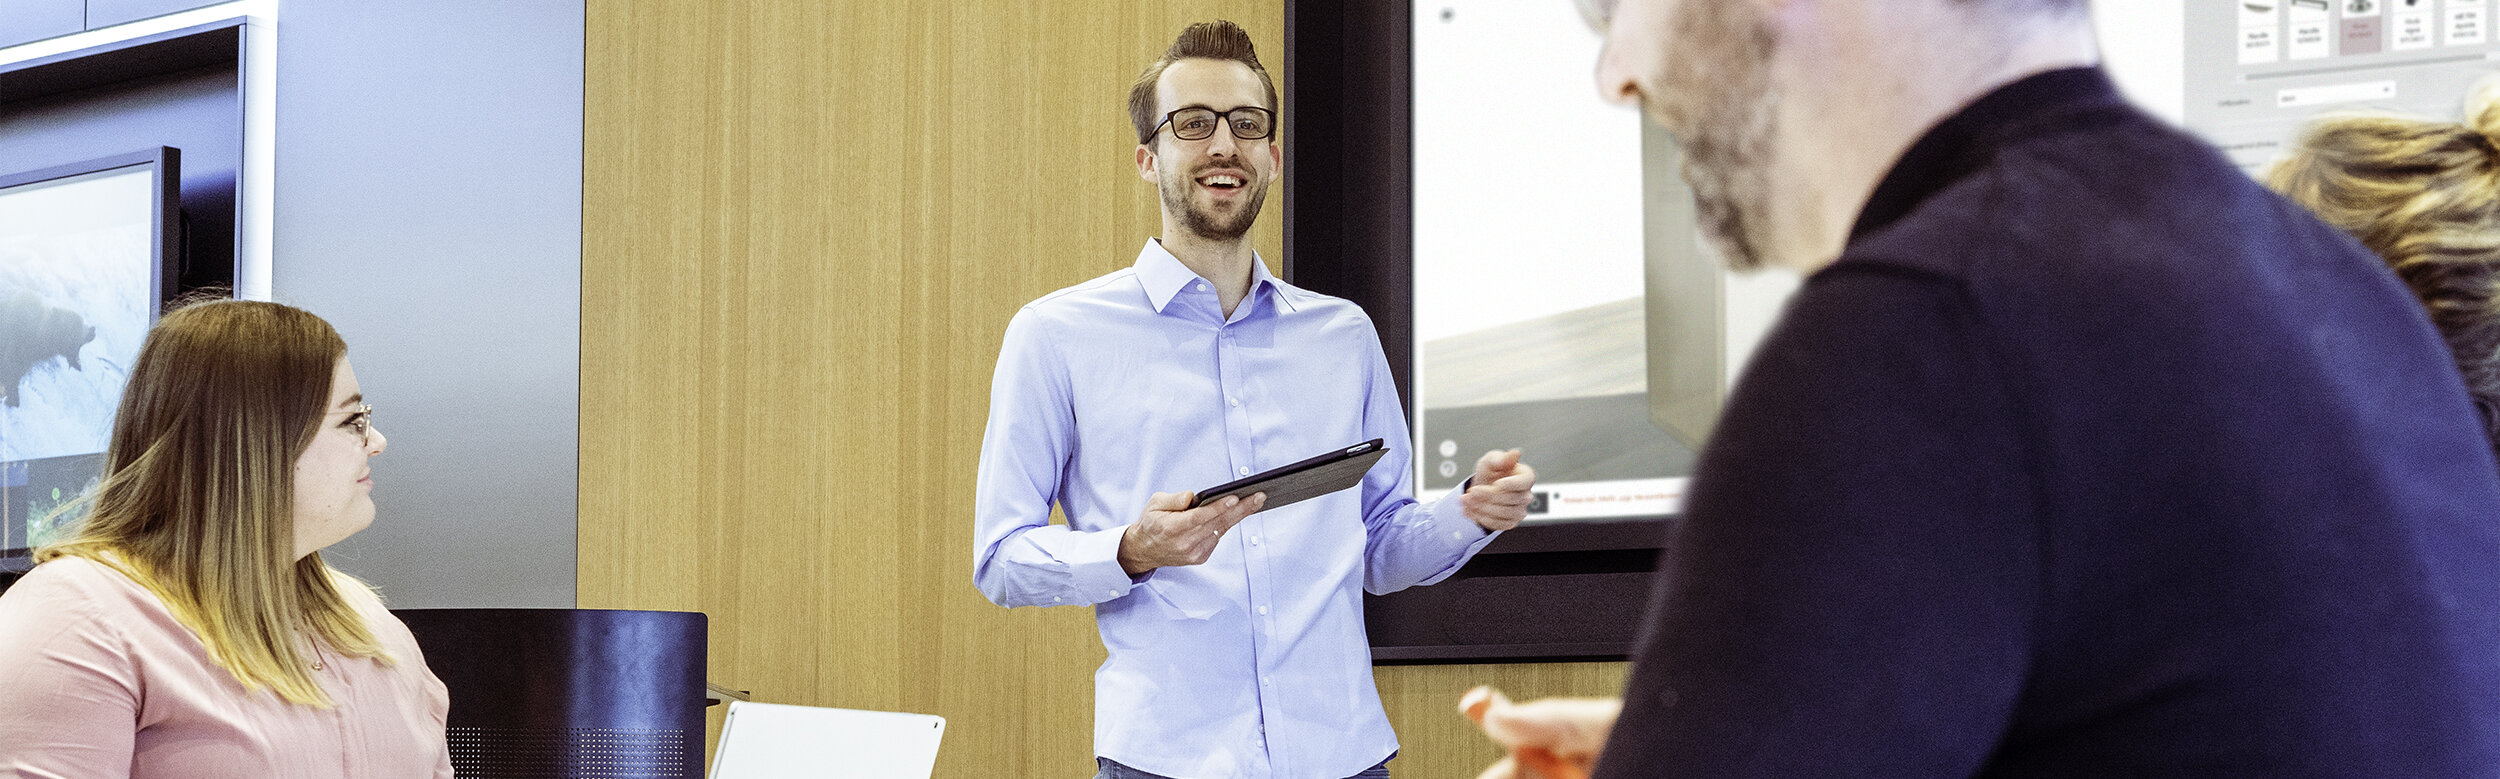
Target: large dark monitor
{"x":1398,"y":198}
{"x":88,"y":254}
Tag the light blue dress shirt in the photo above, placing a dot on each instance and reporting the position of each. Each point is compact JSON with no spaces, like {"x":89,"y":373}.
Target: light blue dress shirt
{"x":1253,"y":664}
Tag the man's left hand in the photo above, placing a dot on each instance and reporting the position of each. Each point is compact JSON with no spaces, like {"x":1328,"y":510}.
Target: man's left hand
{"x":1499,"y":498}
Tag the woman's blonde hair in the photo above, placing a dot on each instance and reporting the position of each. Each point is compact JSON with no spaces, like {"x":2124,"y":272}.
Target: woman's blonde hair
{"x":2425,"y":195}
{"x":198,"y":493}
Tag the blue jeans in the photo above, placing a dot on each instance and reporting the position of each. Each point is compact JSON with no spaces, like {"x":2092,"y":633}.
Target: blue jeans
{"x":1110,"y":769}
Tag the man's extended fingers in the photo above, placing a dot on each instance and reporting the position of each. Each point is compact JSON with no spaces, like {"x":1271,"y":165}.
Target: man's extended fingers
{"x":1564,"y":726}
{"x":1534,"y":758}
{"x":1520,"y":479}
{"x":1233,"y":515}
{"x":1224,"y":513}
{"x":1497,"y":461}
{"x":1478,"y":699}
{"x":1495,"y":464}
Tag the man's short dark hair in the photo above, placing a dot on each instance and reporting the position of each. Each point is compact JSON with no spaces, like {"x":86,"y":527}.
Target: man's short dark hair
{"x":1216,"y":40}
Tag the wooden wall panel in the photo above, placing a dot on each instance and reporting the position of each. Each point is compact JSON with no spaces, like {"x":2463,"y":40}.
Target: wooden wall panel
{"x":806,"y":225}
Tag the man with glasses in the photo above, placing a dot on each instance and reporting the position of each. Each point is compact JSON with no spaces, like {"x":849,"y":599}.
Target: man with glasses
{"x":2076,"y":454}
{"x":1235,"y":636}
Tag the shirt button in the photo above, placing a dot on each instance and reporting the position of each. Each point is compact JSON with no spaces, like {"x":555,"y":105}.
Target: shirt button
{"x":1054,"y":599}
{"x":1202,"y":286}
{"x":1457,"y":536}
{"x":1245,"y":470}
{"x":1233,"y":400}
{"x":1111,"y":593}
{"x":1254,"y":540}
{"x":1262,"y":611}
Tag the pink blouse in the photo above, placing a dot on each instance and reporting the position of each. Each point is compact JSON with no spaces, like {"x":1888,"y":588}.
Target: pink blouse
{"x":97,"y":679}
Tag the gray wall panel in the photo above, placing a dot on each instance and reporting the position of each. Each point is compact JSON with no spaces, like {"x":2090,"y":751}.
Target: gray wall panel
{"x":106,"y":13}
{"x":34,"y":20}
{"x":429,"y":204}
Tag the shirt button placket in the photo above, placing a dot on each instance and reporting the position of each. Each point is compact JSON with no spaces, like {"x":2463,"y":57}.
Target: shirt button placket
{"x":1238,"y":433}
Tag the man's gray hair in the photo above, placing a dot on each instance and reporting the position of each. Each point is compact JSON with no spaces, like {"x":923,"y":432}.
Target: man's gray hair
{"x":2033,"y":6}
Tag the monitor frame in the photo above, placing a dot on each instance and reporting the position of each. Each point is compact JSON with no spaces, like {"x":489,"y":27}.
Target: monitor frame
{"x":165,"y":201}
{"x":1349,"y":232}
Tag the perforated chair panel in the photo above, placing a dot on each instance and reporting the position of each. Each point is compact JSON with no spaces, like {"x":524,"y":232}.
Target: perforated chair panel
{"x":581,"y":753}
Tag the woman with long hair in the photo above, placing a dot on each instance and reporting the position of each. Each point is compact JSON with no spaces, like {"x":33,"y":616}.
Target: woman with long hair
{"x":186,"y":626}
{"x":2425,"y":195}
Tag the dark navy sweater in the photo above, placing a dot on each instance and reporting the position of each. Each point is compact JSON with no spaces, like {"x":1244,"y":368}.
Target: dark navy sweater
{"x":2089,"y":457}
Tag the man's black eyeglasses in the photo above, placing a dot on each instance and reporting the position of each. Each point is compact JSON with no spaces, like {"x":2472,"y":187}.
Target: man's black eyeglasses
{"x":1248,"y":123}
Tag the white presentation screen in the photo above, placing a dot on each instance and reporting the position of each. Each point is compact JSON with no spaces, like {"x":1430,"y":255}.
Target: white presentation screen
{"x":1563,"y":304}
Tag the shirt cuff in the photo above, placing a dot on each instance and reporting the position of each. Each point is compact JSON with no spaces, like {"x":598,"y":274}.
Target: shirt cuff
{"x":1096,"y":571}
{"x":1450,"y":526}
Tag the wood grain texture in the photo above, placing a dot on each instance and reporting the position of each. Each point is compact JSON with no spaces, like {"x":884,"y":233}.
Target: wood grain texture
{"x":806,"y":225}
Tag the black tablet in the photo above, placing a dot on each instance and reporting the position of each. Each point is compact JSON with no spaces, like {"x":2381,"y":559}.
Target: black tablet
{"x":1303,"y":480}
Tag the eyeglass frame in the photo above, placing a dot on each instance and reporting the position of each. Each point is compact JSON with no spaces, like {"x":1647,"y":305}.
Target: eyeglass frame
{"x":362,"y":418}
{"x":1223,"y":118}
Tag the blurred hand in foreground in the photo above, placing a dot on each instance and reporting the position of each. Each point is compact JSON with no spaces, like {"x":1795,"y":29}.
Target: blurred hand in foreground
{"x":1552,"y":738}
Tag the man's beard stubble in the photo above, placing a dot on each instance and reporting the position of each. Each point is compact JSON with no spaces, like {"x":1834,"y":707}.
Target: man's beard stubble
{"x":1725,"y":123}
{"x":1175,"y":191}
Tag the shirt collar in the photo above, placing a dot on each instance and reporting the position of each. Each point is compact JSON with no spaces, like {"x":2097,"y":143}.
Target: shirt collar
{"x":1164,"y":276}
{"x":1964,"y":142}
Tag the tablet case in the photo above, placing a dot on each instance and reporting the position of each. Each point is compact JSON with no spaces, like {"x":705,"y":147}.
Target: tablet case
{"x":1303,"y":480}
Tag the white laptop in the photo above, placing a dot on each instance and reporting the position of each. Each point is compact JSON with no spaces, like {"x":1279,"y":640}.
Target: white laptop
{"x":775,"y":741}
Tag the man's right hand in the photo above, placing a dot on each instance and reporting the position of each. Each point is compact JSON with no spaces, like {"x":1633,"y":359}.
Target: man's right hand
{"x":1172,"y":533}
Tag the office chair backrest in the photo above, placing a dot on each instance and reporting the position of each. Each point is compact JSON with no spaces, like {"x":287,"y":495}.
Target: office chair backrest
{"x":569,"y":693}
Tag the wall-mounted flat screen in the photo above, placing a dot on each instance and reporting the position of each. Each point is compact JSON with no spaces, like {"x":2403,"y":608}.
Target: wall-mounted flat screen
{"x":1563,"y":301}
{"x":85,"y":250}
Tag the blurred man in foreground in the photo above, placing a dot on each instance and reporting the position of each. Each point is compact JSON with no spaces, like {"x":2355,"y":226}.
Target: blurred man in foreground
{"x":2077,"y":453}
